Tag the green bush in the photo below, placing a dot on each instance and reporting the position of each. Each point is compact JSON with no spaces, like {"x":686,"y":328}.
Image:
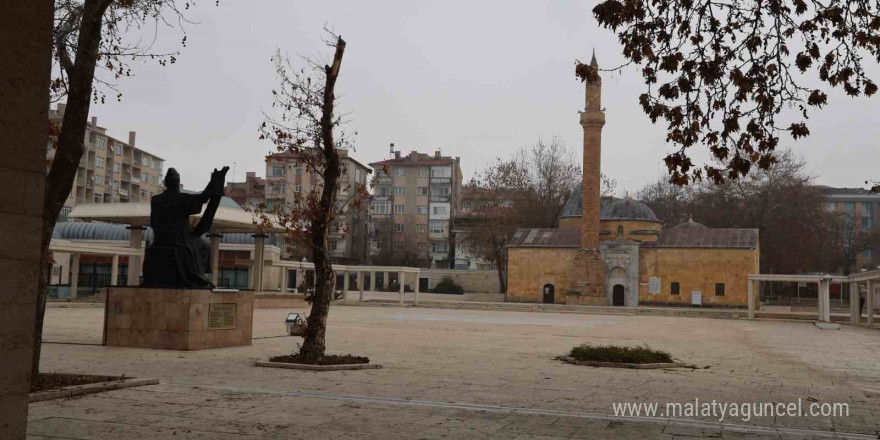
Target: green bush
{"x":615,"y":353}
{"x":447,"y":285}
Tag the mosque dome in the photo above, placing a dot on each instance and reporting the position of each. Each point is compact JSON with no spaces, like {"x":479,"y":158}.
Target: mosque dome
{"x":627,"y":209}
{"x":612,"y":208}
{"x":690,"y":224}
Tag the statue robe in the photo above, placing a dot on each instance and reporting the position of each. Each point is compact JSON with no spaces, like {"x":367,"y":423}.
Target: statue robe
{"x":177,"y":256}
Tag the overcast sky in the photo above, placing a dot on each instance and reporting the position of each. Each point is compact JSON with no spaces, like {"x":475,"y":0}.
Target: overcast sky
{"x":475,"y":79}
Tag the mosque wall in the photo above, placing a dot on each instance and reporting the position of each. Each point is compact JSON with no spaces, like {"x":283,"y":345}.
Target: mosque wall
{"x":696,"y":270}
{"x":532,"y":268}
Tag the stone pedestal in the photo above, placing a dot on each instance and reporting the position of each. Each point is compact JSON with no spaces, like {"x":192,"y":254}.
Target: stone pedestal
{"x":177,"y":319}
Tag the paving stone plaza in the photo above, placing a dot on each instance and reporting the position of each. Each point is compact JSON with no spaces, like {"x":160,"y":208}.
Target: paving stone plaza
{"x":472,"y":374}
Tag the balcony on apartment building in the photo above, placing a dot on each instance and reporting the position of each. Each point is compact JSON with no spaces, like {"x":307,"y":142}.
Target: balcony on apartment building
{"x":126,"y":177}
{"x":126,"y":160}
{"x":81,"y":181}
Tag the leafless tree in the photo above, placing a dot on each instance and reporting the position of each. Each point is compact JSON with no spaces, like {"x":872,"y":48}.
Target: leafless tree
{"x":310,"y":127}
{"x":529,"y":191}
{"x":90,"y":34}
{"x":846,"y":239}
{"x":731,"y":75}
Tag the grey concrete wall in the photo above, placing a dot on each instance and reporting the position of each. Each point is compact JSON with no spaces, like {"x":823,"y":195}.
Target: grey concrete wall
{"x":26,"y":33}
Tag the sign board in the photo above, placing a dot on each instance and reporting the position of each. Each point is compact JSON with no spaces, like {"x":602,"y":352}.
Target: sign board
{"x":221,"y":316}
{"x":654,"y":285}
{"x":696,"y":297}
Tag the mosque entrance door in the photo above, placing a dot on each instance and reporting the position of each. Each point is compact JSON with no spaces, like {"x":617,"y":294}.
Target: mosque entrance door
{"x":617,"y":295}
{"x":549,"y":293}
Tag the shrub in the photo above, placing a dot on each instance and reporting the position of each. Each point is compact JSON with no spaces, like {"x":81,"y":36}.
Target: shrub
{"x":447,"y":285}
{"x":615,"y":353}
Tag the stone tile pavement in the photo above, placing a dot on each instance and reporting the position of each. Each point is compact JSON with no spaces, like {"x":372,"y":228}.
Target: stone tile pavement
{"x":466,"y":374}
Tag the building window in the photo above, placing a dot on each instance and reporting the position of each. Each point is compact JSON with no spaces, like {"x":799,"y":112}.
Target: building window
{"x":849,"y":207}
{"x":398,"y":209}
{"x":423,"y":172}
{"x":381,"y":208}
{"x":421,"y":209}
{"x":399,"y":172}
{"x":99,"y":180}
{"x":117,"y":167}
{"x":398,"y":245}
{"x":438,"y":227}
{"x":620,"y":230}
{"x":102,"y":143}
{"x":99,"y":162}
{"x":675,"y":288}
{"x":299,"y":171}
{"x":719,"y":289}
{"x":277,"y":171}
{"x":153,"y":164}
{"x":867,"y":254}
{"x":297,"y":188}
{"x":333,"y":245}
{"x":441,"y":172}
{"x":400,"y":190}
{"x":867,"y":215}
{"x":439,"y":247}
{"x":440,"y":210}
{"x":423,"y":190}
{"x":399,"y":227}
{"x":145,"y":194}
{"x":421,"y":227}
{"x":116,"y":184}
{"x":98,"y":198}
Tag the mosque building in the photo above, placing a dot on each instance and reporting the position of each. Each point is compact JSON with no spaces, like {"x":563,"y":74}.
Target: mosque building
{"x":616,"y":252}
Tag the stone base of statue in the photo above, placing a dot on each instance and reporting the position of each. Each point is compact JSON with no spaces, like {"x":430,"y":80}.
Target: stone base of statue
{"x":177,"y":319}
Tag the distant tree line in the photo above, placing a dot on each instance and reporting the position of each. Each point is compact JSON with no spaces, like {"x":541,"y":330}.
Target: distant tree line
{"x":798,"y":233}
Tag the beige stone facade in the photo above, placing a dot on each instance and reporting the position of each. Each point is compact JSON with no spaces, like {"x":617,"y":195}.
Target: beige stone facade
{"x":26,"y":32}
{"x":719,"y":275}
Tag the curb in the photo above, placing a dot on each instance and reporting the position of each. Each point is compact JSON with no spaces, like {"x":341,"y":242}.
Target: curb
{"x":309,"y":367}
{"x":92,"y":388}
{"x":622,"y":365}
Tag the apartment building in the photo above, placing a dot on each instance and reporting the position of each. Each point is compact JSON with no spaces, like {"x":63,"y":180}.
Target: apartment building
{"x":248,"y":194}
{"x":110,"y":170}
{"x":287,"y":176}
{"x":859,"y":206}
{"x":414,"y":198}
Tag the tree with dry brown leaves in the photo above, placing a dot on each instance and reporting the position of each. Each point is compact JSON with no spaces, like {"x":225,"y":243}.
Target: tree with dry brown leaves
{"x":732,"y":75}
{"x":310,"y":127}
{"x":90,"y":36}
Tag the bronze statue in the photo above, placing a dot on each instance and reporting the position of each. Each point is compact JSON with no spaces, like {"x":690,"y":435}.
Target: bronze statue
{"x":177,"y":257}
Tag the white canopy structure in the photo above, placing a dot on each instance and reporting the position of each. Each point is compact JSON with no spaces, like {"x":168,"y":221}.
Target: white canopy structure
{"x":824,"y":282}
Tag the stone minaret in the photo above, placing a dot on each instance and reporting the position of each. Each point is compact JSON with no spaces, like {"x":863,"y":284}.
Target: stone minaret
{"x":589,"y":274}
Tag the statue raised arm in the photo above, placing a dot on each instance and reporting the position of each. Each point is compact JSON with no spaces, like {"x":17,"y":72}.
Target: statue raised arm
{"x":174,"y":258}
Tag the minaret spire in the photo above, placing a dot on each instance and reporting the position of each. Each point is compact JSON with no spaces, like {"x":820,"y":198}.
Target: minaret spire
{"x":588,"y":277}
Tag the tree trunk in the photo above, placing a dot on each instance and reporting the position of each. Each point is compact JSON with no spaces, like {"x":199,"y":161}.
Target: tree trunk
{"x":61,"y":175}
{"x":314,"y":343}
